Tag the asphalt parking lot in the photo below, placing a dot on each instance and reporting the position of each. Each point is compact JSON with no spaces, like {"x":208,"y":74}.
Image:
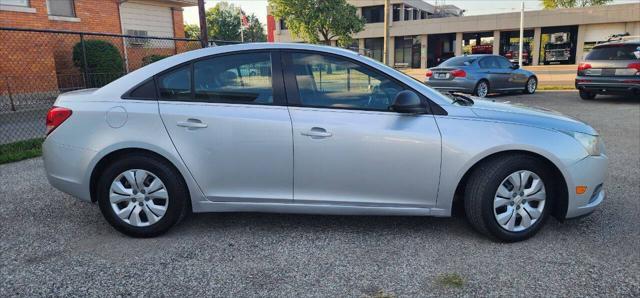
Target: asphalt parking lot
{"x":53,"y":245}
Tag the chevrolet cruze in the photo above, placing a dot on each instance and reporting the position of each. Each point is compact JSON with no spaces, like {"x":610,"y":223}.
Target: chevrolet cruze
{"x":294,"y":128}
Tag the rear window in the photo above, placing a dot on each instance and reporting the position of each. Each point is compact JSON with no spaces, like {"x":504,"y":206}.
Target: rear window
{"x":615,"y":52}
{"x":458,"y":61}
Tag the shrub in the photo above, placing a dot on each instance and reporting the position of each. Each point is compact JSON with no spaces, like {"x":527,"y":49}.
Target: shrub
{"x":152,"y":58}
{"x":104,"y":62}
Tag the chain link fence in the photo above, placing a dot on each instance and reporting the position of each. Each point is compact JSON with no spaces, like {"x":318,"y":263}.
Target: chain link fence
{"x":38,"y":65}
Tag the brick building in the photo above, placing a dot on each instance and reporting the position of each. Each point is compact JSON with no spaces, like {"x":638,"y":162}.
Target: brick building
{"x":47,"y":57}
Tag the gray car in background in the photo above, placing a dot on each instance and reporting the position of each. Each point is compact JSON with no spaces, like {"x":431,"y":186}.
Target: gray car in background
{"x":481,"y":75}
{"x":610,"y":68}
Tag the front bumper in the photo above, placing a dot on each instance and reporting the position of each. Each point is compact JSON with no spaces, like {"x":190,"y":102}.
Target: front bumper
{"x":608,"y":85}
{"x":590,"y":172}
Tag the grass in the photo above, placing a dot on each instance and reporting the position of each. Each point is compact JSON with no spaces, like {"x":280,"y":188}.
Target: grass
{"x":557,"y":87}
{"x":451,"y":280}
{"x":20,"y":150}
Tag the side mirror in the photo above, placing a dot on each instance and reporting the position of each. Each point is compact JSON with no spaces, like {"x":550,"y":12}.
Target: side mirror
{"x":515,"y":66}
{"x":407,"y":101}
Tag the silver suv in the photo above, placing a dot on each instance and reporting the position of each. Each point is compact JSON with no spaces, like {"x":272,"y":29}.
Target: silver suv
{"x":610,"y":68}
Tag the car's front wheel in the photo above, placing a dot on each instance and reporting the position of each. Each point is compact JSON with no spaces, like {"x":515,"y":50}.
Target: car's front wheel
{"x":141,"y":195}
{"x":586,"y":95}
{"x":531,"y":86}
{"x":508,"y":198}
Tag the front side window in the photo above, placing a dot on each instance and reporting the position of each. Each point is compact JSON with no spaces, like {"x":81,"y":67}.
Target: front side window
{"x":62,"y":8}
{"x":503,"y":62}
{"x":238,"y":78}
{"x":24,"y":3}
{"x":176,"y":84}
{"x":327,"y":81}
{"x":489,"y":62}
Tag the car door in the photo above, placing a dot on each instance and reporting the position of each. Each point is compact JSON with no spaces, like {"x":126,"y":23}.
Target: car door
{"x":499,"y":76}
{"x":516,"y":79}
{"x":227,"y":118}
{"x":349,"y":148}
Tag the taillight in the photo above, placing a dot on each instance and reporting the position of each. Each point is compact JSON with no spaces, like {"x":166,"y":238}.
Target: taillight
{"x":429,"y":73}
{"x":55,"y":117}
{"x":635,"y":66}
{"x":582,"y":67}
{"x":458,"y":73}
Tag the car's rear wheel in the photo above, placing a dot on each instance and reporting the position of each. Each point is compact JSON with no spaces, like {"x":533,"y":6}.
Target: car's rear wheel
{"x":482,"y":89}
{"x":586,"y":95}
{"x":141,"y":195}
{"x":531,"y":86}
{"x":509,"y":198}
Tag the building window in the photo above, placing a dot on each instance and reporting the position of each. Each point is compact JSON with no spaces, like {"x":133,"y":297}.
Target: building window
{"x":373,"y":48}
{"x":283,"y":25}
{"x":137,"y":42}
{"x":373,"y":14}
{"x":407,"y":51}
{"x":396,"y":12}
{"x":24,"y":3}
{"x":423,"y":14}
{"x":407,"y":13}
{"x":61,"y":8}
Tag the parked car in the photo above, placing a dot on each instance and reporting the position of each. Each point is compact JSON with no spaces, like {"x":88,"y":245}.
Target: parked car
{"x":481,"y":75}
{"x":610,"y":68}
{"x":353,"y":137}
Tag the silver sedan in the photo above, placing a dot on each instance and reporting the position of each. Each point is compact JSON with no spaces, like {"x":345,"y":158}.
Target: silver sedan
{"x":480,"y":75}
{"x":294,"y":128}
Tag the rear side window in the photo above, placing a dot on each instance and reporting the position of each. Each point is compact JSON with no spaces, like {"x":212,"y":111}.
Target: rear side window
{"x":176,"y":84}
{"x":145,"y":91}
{"x":615,"y":52}
{"x":237,"y":78}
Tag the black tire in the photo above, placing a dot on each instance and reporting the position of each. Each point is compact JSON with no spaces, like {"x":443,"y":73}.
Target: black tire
{"x":475,"y":89}
{"x":178,"y":205}
{"x":481,"y":189}
{"x":526,"y":86}
{"x":586,"y":95}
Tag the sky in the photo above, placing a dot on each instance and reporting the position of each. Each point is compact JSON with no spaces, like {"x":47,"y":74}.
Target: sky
{"x":472,"y":7}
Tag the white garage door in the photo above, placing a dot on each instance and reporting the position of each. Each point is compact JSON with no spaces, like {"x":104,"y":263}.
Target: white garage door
{"x":155,"y":20}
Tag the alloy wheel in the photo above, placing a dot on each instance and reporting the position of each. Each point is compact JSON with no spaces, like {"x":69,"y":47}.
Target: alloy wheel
{"x":483,"y":89}
{"x":532,"y":84}
{"x":519,"y":201}
{"x":138,"y":197}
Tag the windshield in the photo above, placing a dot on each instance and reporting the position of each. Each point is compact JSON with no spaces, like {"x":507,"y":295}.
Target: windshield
{"x":458,"y":61}
{"x":615,"y":52}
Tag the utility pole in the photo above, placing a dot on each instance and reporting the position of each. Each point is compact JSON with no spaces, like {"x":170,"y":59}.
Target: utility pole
{"x":521,"y":35}
{"x":204,"y":38}
{"x":385,"y":47}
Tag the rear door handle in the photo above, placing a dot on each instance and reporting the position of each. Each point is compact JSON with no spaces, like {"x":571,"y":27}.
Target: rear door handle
{"x":192,"y":123}
{"x":317,"y":133}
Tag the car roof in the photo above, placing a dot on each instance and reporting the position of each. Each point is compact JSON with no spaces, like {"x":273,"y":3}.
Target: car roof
{"x":619,"y":42}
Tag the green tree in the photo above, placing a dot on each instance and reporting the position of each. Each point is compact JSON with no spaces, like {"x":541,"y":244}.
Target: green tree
{"x":552,"y":4}
{"x":192,"y":31}
{"x":223,"y":22}
{"x":318,"y":21}
{"x":255,"y":31}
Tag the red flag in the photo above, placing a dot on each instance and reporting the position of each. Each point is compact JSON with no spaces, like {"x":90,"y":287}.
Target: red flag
{"x":245,"y":21}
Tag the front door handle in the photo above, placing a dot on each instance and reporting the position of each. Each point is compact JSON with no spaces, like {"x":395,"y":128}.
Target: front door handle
{"x":192,"y":123}
{"x":317,"y":133}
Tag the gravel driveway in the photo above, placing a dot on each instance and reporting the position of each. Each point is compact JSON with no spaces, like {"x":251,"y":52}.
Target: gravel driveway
{"x":51,"y":244}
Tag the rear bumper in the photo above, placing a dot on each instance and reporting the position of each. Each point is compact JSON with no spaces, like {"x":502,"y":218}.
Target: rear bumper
{"x":66,"y":168}
{"x":608,"y":85}
{"x":458,"y":84}
{"x":589,"y":172}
